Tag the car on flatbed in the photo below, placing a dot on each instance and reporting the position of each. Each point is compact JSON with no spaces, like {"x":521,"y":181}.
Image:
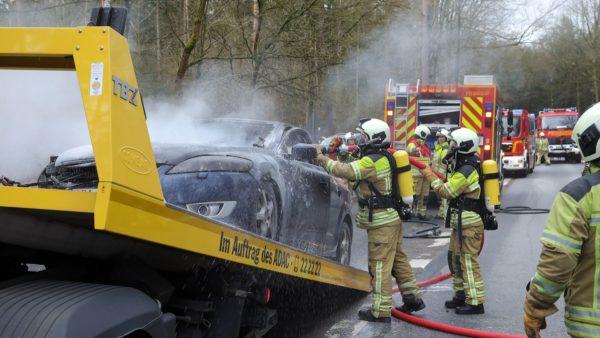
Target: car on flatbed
{"x":243,"y":174}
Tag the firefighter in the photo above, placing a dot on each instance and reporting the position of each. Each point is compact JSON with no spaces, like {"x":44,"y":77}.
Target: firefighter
{"x":418,"y":149}
{"x":372,"y":172}
{"x":462,"y":190}
{"x":439,"y":153}
{"x":569,"y":258}
{"x":542,"y":149}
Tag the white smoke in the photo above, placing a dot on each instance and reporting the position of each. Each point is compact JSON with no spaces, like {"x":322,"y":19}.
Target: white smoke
{"x":41,"y":115}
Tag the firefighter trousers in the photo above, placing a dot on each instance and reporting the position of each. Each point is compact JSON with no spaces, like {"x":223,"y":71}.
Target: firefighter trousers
{"x":443,"y":208}
{"x":422,"y":193}
{"x":464,"y":264}
{"x":387,"y":259}
{"x":543,"y":155}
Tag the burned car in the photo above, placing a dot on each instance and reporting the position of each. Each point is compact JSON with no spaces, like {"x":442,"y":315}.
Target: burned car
{"x":246,"y":177}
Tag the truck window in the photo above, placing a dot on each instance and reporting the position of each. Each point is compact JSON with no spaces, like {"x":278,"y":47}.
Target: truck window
{"x":516,"y":126}
{"x":558,"y":122}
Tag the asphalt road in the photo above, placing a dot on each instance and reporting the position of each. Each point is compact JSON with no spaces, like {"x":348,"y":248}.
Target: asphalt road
{"x":508,"y":262}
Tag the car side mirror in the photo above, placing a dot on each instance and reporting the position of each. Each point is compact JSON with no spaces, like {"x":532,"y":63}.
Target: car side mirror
{"x":303,"y":152}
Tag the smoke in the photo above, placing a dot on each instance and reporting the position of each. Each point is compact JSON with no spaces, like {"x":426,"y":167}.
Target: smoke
{"x":42,"y":115}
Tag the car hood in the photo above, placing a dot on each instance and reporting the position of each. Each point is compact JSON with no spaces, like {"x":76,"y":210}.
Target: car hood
{"x":164,"y":153}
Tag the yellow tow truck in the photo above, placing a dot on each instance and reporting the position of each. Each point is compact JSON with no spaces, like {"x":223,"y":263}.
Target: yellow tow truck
{"x":120,"y":261}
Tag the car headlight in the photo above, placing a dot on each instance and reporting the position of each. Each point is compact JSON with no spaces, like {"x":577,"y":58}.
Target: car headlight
{"x":212,"y":163}
{"x":212,"y":209}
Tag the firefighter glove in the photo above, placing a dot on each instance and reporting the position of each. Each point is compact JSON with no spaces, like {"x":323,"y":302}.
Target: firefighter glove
{"x":428,"y":174}
{"x":533,"y":326}
{"x":318,"y":148}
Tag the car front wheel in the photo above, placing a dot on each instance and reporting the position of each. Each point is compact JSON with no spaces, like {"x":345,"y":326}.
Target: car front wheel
{"x":267,"y":220}
{"x":344,"y":246}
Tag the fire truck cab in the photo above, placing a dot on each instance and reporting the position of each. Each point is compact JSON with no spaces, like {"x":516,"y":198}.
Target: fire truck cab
{"x":518,"y":141}
{"x":557,"y":125}
{"x":474,"y":105}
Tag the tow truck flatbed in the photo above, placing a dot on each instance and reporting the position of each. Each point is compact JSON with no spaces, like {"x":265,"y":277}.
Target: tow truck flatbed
{"x":127,"y":216}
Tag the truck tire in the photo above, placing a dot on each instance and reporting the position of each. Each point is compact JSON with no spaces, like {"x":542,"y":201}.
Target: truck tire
{"x":50,"y":308}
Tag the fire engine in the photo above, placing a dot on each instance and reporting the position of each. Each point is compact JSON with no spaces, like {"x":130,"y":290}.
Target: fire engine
{"x":518,"y":141}
{"x":557,"y":125}
{"x":474,"y":105}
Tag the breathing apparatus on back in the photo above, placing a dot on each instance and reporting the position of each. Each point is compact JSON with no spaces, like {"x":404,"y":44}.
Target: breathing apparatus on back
{"x":462,"y":151}
{"x":374,"y":139}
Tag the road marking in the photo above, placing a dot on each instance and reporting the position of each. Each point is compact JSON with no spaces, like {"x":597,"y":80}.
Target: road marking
{"x":419,"y":263}
{"x":440,"y":241}
{"x":507,"y":181}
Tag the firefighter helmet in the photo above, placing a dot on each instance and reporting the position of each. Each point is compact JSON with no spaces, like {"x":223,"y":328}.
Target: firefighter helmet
{"x":374,"y":131}
{"x":587,"y":133}
{"x":542,"y":134}
{"x":465,"y":140}
{"x":443,"y":132}
{"x":422,"y":132}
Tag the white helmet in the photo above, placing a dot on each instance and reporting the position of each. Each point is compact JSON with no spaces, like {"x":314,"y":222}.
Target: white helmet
{"x":587,"y":133}
{"x":443,"y":132}
{"x":422,"y":132}
{"x":466,"y":140}
{"x":542,"y":134}
{"x":375,"y":130}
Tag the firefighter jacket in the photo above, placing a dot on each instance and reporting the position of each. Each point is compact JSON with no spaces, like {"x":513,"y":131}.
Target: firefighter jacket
{"x":419,"y":150}
{"x":570,"y":258}
{"x":462,"y":182}
{"x":542,"y":144}
{"x":375,"y":169}
{"x":440,"y":151}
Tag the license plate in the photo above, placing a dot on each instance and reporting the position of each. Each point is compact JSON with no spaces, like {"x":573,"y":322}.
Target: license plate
{"x":559,"y":158}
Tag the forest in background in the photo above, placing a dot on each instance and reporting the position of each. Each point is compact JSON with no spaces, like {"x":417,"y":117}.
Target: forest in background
{"x":326,"y":62}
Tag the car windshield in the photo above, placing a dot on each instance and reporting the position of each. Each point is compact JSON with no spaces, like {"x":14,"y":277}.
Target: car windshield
{"x":559,"y":122}
{"x":516,"y":126}
{"x":236,"y":133}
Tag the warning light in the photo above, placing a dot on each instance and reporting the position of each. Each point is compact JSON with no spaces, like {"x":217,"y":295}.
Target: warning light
{"x":390,"y":112}
{"x":486,"y":147}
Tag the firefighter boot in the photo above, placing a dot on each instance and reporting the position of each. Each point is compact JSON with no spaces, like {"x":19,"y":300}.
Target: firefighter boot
{"x":468,"y":309}
{"x":366,"y":314}
{"x":456,"y":301}
{"x":411,"y":304}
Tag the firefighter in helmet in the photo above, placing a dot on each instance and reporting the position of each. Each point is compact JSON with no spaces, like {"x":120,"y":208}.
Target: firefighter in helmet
{"x":569,"y":259}
{"x":462,"y":190}
{"x":542,"y":149}
{"x":418,"y":149}
{"x":437,"y":163}
{"x":372,"y":172}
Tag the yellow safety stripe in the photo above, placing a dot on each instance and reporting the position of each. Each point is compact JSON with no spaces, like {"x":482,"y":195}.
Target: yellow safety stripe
{"x":547,"y":287}
{"x":579,"y":329}
{"x":356,"y":170}
{"x":566,"y":243}
{"x":471,"y":280}
{"x":377,"y":292}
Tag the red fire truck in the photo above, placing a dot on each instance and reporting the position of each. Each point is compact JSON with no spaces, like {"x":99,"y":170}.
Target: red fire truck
{"x":557,"y":125}
{"x":518,"y":141}
{"x":474,"y":105}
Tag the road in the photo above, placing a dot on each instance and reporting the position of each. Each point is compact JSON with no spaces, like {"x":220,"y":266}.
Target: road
{"x":508,"y":262}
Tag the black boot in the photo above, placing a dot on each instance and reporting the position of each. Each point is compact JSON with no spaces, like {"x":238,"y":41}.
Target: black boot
{"x":468,"y":309}
{"x":366,"y":314}
{"x":411,"y":304}
{"x":456,"y":301}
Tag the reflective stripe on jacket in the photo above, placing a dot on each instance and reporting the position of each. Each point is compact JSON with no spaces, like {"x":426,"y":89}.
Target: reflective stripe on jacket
{"x":440,"y":151}
{"x":570,"y":258}
{"x":420,"y":151}
{"x":542,"y":144}
{"x":458,"y":185}
{"x":375,"y":169}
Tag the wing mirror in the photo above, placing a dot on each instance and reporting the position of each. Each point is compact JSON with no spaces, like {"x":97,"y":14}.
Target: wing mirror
{"x":303,"y":152}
